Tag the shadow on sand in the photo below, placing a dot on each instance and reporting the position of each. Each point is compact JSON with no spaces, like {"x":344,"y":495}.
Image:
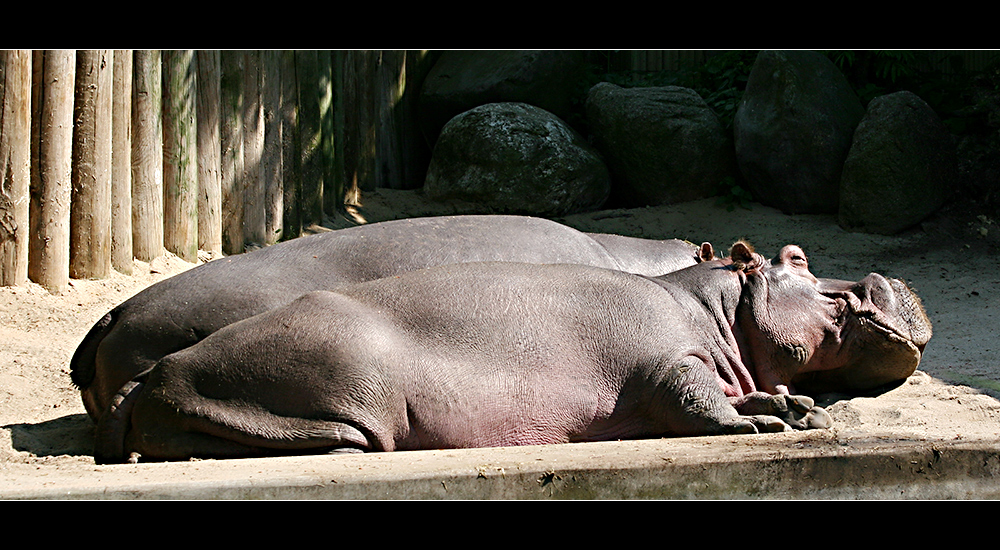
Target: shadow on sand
{"x":68,"y":435}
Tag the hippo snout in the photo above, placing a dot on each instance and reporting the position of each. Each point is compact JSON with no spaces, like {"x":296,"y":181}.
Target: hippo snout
{"x":894,"y":306}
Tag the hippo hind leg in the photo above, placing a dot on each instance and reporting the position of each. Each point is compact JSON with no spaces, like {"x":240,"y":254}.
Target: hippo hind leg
{"x":163,"y":427}
{"x":157,"y":437}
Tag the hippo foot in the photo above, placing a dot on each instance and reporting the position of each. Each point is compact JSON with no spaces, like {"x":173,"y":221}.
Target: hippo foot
{"x":797,"y":411}
{"x":758,"y":423}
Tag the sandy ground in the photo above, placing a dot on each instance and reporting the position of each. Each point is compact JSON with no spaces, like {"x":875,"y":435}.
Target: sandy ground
{"x":951,"y":260}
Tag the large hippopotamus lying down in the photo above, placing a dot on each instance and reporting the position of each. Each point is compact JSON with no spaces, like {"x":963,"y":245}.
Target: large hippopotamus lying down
{"x":497,"y":354}
{"x":180,"y":311}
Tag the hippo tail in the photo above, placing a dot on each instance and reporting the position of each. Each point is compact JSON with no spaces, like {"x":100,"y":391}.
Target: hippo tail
{"x":83,"y":365}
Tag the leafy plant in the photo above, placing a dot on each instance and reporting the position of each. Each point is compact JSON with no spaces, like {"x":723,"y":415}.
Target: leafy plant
{"x":731,"y":195}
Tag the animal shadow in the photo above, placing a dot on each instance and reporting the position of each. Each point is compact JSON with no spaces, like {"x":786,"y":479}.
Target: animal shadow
{"x":72,"y":434}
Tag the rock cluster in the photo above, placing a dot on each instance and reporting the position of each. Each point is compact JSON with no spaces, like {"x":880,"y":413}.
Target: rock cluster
{"x":801,"y":141}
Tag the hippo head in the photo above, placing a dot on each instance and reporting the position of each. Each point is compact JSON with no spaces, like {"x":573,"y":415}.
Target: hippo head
{"x":812,"y":335}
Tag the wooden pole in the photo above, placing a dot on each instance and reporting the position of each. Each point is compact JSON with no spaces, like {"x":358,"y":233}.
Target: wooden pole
{"x":180,"y":149}
{"x":324,"y":87}
{"x":271,"y":161}
{"x":121,"y":164}
{"x":48,"y":263}
{"x":147,"y":156}
{"x":291,"y":157}
{"x":231,"y":139}
{"x":310,"y":137}
{"x":209,"y":154}
{"x":90,"y":207}
{"x":253,"y":149}
{"x":15,"y":158}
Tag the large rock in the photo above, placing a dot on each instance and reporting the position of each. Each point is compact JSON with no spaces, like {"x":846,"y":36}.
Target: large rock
{"x":461,"y":80}
{"x":793,"y":130}
{"x":519,"y":159}
{"x":662,"y":145}
{"x":900,"y":169}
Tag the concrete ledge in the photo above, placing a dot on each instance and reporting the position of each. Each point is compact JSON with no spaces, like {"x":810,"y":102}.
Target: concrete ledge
{"x":775,"y":466}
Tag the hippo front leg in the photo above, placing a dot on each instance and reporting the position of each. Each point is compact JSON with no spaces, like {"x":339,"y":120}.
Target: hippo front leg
{"x":703,"y":409}
{"x":798,"y":411}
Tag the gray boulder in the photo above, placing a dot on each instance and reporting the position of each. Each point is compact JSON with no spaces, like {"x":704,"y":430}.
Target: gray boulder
{"x":461,"y":80}
{"x":901,"y":168}
{"x":662,"y":145}
{"x":793,"y":130}
{"x":518,"y":159}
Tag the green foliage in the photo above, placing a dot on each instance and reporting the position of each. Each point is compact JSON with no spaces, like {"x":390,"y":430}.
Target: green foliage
{"x":731,"y":195}
{"x":722,"y":80}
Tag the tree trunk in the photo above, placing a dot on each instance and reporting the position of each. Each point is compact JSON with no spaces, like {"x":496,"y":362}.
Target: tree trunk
{"x":121,"y":164}
{"x":231,"y":138}
{"x":90,"y":207}
{"x":291,"y":167}
{"x":253,"y":149}
{"x":15,"y":158}
{"x":310,"y":137}
{"x":209,"y":150}
{"x":48,"y":263}
{"x":180,"y":145}
{"x":147,"y":156}
{"x":271,"y":161}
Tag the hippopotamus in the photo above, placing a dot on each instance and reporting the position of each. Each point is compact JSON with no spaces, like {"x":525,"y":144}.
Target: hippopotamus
{"x":178,"y":312}
{"x":499,"y":354}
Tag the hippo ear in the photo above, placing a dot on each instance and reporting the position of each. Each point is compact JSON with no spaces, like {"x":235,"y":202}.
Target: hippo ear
{"x":742,"y":255}
{"x":706,"y":253}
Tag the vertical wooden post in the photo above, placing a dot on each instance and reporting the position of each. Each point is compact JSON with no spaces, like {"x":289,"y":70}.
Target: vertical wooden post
{"x":180,"y":144}
{"x":253,"y":148}
{"x":15,"y":158}
{"x":271,"y":161}
{"x":291,"y":157}
{"x":310,"y":137}
{"x":147,"y":156}
{"x":90,"y":209}
{"x":337,"y":59}
{"x":324,"y":87}
{"x":360,"y":129}
{"x":231,"y":138}
{"x":48,"y":263}
{"x":121,"y":164}
{"x":209,"y":159}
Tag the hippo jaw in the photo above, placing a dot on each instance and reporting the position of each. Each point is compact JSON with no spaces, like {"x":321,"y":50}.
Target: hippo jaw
{"x":821,"y":335}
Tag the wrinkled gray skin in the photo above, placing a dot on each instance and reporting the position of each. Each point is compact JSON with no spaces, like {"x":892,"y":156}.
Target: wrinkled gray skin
{"x":180,"y":311}
{"x":497,"y":354}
